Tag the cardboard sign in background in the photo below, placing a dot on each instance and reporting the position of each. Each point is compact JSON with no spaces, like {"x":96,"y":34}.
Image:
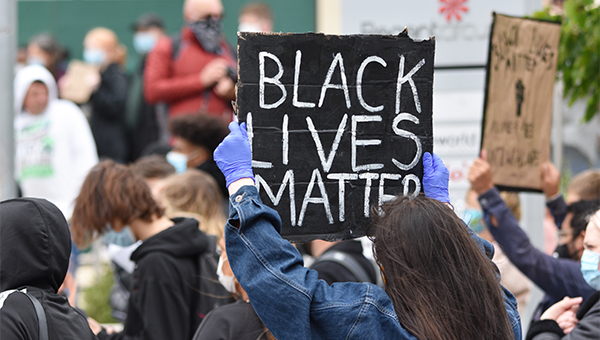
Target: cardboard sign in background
{"x":337,"y":124}
{"x":518,"y":105}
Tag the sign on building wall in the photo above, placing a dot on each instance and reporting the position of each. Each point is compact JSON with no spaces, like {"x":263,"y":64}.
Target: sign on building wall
{"x":461,"y":27}
{"x":337,"y":124}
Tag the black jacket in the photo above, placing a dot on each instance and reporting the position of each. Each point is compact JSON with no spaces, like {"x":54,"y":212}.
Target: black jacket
{"x":35,"y":244}
{"x":165,"y":285}
{"x":235,"y":321}
{"x":334,"y":272}
{"x":108,"y":115}
{"x":141,"y":118}
{"x":588,"y":327}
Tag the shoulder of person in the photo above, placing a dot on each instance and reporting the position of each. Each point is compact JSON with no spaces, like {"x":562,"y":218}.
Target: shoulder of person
{"x":17,"y":309}
{"x":66,"y":107}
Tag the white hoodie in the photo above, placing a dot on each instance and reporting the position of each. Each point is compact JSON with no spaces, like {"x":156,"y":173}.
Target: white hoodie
{"x":55,"y":148}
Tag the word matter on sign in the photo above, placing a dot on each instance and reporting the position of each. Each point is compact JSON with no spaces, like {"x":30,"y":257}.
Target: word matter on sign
{"x":337,"y":124}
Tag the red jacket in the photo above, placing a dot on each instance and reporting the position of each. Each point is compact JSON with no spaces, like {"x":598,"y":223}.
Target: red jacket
{"x":177,"y":81}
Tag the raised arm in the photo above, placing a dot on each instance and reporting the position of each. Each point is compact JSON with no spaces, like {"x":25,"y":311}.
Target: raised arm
{"x":289,"y":298}
{"x":557,"y":277}
{"x":550,"y":186}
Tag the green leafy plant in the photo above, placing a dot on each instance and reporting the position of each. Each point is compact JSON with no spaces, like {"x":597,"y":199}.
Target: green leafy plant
{"x":95,"y":298}
{"x":579,"y":51}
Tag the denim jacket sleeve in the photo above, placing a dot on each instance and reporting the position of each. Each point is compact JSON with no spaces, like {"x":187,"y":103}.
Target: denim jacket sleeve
{"x":290,"y":299}
{"x":556,"y":277}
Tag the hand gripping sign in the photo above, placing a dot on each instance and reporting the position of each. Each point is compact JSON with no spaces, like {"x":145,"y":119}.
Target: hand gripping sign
{"x":337,"y":125}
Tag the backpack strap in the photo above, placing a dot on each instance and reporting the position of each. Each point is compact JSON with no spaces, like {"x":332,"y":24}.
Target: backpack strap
{"x":347,"y":261}
{"x":175,"y":44}
{"x":41,"y":315}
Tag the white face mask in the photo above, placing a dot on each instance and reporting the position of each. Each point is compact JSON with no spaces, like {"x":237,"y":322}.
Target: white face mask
{"x":227,"y":281}
{"x":244,"y":27}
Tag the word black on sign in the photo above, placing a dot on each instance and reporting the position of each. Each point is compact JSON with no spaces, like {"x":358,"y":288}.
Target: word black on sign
{"x":337,"y":124}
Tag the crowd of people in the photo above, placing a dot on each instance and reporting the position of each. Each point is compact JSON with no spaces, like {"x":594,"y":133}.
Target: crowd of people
{"x":147,"y":164}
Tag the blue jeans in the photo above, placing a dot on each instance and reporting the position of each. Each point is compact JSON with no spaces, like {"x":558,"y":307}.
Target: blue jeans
{"x":291,"y":300}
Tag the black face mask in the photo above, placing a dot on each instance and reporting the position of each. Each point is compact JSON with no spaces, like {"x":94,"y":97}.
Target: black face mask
{"x":208,"y":34}
{"x":562,"y":252}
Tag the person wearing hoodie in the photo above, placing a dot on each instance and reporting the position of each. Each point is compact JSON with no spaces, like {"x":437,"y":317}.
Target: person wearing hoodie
{"x":165,"y":302}
{"x":34,"y":256}
{"x":54,"y":145}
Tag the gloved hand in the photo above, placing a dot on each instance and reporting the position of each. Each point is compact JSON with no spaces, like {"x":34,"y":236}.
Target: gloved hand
{"x":435,"y":178}
{"x":233,"y":155}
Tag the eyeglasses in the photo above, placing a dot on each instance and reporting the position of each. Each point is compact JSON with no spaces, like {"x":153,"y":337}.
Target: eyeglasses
{"x":564,"y":233}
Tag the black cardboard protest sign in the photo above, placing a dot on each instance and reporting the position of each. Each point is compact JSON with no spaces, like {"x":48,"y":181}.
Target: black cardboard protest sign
{"x":518,"y":101}
{"x":337,"y":124}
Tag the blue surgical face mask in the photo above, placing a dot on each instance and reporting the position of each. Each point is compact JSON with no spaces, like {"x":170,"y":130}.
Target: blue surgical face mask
{"x":474,"y":219}
{"x":36,"y":61}
{"x":178,"y":160}
{"x":589,"y":268}
{"x":93,"y":56}
{"x":143,"y":42}
{"x":121,"y":238}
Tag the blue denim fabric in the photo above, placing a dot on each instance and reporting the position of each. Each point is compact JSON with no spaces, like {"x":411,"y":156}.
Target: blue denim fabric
{"x":291,"y":300}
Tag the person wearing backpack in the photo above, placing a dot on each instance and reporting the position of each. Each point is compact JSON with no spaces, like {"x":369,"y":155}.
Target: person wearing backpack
{"x":193,"y":72}
{"x":342,"y":262}
{"x":174,"y":282}
{"x":146,"y":123}
{"x":34,"y":256}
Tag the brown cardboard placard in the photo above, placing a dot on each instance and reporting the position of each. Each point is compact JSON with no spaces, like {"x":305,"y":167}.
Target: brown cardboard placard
{"x":76,"y":86}
{"x":518,"y":100}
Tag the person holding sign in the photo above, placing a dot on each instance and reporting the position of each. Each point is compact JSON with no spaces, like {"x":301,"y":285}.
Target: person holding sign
{"x":440,"y":282}
{"x":557,"y":277}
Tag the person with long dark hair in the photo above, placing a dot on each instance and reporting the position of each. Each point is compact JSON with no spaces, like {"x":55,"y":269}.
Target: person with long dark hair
{"x":439,"y":280}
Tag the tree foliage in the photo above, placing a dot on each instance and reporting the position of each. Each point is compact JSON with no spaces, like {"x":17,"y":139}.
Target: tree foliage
{"x":579,"y":51}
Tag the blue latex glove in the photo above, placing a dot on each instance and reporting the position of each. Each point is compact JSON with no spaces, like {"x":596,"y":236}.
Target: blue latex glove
{"x":435,"y":178}
{"x":233,"y":155}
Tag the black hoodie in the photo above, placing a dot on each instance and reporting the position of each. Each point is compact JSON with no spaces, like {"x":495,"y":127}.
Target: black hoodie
{"x":35,"y":244}
{"x":165,"y":285}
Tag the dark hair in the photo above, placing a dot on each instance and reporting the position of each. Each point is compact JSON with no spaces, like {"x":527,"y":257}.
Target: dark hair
{"x":48,"y":43}
{"x":199,"y":129}
{"x":147,"y":21}
{"x":153,"y":166}
{"x":441,"y":283}
{"x":111,"y":193}
{"x":582,"y":210}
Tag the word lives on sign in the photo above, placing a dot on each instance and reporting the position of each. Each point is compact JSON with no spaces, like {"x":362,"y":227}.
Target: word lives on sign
{"x":518,"y":101}
{"x":337,"y":125}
